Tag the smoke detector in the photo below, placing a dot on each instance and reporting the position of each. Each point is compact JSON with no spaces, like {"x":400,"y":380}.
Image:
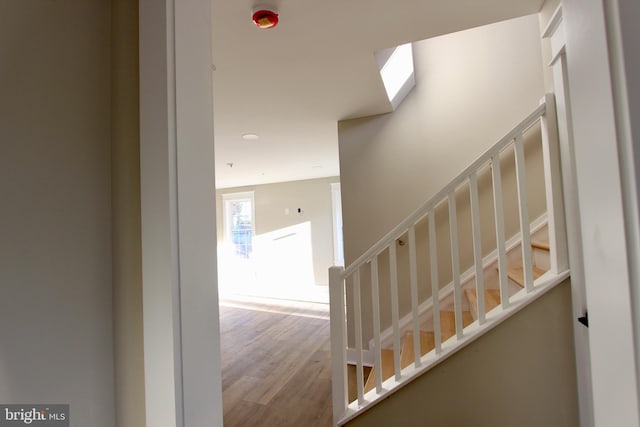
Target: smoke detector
{"x":264,"y":16}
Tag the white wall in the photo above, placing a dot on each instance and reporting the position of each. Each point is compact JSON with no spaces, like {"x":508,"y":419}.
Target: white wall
{"x":488,"y":384}
{"x":179,"y":271}
{"x":55,"y":227}
{"x":125,"y":208}
{"x":622,"y":18}
{"x":313,"y":197}
{"x":471,"y":88}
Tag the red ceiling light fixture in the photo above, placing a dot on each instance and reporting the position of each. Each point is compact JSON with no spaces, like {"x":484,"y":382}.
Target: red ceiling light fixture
{"x":264,"y":16}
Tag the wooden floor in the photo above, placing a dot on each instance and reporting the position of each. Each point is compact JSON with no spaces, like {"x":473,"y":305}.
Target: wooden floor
{"x":276,"y":366}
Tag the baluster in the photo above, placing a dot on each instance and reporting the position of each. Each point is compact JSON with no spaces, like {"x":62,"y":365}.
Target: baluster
{"x":357,"y":312}
{"x":500,"y":240}
{"x":455,"y":263}
{"x":525,"y":226}
{"x":375,"y":300}
{"x":435,"y":288}
{"x":413,"y":279}
{"x":477,"y":246}
{"x":395,"y":315}
{"x":337,"y":307}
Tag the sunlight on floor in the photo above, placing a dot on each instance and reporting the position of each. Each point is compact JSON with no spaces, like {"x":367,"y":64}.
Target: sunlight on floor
{"x":280,"y":266}
{"x":280,"y":306}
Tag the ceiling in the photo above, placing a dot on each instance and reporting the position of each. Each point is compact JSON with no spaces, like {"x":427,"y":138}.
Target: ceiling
{"x":291,"y":84}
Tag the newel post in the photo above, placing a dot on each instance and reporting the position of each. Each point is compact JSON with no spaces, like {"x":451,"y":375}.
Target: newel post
{"x":553,"y":186}
{"x":338,"y":342}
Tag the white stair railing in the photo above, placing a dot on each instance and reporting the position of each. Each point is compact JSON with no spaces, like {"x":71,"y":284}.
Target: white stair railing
{"x":350,"y":277}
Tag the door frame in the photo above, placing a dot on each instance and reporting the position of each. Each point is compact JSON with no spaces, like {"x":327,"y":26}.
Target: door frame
{"x":179,"y":263}
{"x":606,"y":183}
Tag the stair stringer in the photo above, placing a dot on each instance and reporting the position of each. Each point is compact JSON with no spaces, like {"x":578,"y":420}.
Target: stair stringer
{"x":495,"y":317}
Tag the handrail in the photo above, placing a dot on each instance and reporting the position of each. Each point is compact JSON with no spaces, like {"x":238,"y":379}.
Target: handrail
{"x":401,"y":228}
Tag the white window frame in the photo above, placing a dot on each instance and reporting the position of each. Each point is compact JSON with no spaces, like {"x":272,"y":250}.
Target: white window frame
{"x":226,"y":213}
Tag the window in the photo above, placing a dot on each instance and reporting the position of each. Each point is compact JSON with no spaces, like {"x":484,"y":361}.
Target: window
{"x":396,"y":70}
{"x":239,"y":224}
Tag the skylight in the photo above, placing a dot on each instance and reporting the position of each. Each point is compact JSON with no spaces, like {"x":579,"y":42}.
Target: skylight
{"x":397,"y":72}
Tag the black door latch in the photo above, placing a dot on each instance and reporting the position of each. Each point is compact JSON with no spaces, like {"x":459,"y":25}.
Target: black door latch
{"x":584,"y":319}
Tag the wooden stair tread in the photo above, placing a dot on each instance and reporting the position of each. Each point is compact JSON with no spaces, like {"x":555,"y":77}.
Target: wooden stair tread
{"x":448,"y":323}
{"x":517,"y":274}
{"x":491,"y":299}
{"x":427,"y":343}
{"x":387,"y":370}
{"x":540,"y":244}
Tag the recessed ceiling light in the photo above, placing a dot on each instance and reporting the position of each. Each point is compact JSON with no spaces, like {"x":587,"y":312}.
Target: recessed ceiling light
{"x":250,"y":137}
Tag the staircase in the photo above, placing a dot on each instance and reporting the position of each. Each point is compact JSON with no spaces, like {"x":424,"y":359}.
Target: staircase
{"x":404,"y":333}
{"x":492,"y":300}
